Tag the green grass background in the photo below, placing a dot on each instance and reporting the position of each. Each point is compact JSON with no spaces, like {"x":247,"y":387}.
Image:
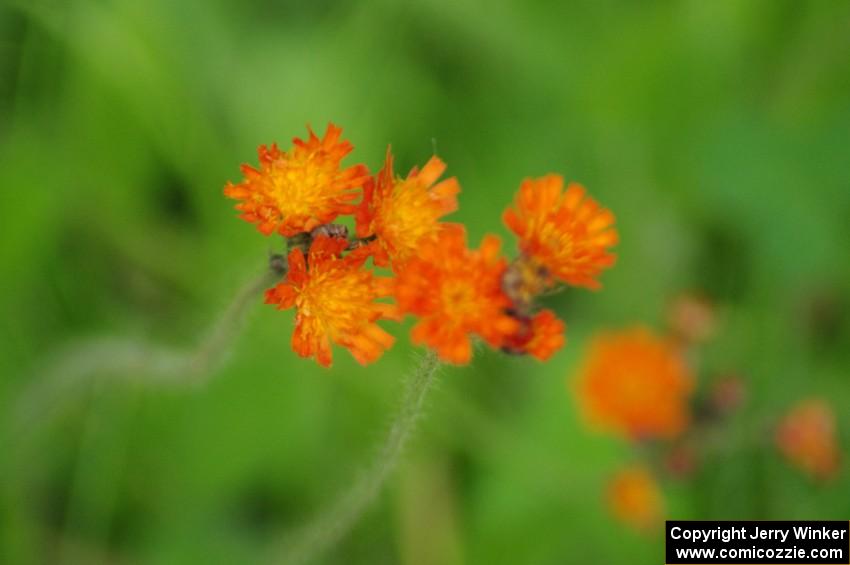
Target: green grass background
{"x":718,"y":133}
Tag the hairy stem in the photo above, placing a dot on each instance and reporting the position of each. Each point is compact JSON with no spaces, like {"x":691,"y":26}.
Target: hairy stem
{"x":330,"y":526}
{"x":84,"y":363}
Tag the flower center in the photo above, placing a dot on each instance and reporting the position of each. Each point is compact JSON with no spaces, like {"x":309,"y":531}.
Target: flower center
{"x":300,"y":187}
{"x":459,"y":298}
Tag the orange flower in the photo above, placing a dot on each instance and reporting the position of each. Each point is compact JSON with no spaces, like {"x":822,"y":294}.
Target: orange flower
{"x":403,"y":213}
{"x":335,"y":301}
{"x":565,"y":233}
{"x":539,"y":336}
{"x":635,"y":499}
{"x":455,"y":291}
{"x":692,"y":319}
{"x":297,"y":191}
{"x":637,"y":384}
{"x":807,"y":438}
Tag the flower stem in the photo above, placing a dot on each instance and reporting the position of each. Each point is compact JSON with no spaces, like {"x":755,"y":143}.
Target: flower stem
{"x":87,"y":362}
{"x":330,"y":526}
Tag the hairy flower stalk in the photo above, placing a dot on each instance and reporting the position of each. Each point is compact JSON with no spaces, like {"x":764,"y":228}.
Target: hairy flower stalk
{"x":80,"y":365}
{"x":330,"y":526}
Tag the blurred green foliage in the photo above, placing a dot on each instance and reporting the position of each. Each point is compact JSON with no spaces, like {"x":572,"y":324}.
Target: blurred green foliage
{"x":718,"y":133}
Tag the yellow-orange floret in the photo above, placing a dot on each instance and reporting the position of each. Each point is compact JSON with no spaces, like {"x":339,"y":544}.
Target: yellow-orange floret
{"x":635,"y":499}
{"x":296,"y":191}
{"x":334,"y":298}
{"x":807,"y":437}
{"x":401,"y":214}
{"x":637,"y":384}
{"x":456,"y":292}
{"x":566,"y":233}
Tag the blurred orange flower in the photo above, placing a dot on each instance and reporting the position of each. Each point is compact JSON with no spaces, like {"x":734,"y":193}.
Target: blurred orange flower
{"x":807,"y":437}
{"x":455,"y":292}
{"x":635,"y":383}
{"x":296,"y":191}
{"x":692,"y":319}
{"x":635,"y":499}
{"x":564,"y":232}
{"x":539,"y":336}
{"x":335,"y":301}
{"x":403,"y":213}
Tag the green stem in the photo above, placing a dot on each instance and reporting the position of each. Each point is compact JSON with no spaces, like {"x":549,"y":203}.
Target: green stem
{"x":82,"y":364}
{"x":330,"y":526}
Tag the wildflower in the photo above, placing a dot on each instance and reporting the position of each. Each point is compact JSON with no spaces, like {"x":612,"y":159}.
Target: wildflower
{"x":727,"y":394}
{"x":296,"y":191}
{"x":682,"y":460}
{"x":564,"y":233}
{"x":401,"y":214}
{"x":455,"y":292}
{"x":807,"y":438}
{"x":539,"y":336}
{"x":635,"y":383}
{"x":334,"y":298}
{"x":635,"y":499}
{"x":692,"y":319}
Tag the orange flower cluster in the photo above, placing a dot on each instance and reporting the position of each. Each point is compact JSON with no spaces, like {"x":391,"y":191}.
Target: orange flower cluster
{"x":635,"y":498}
{"x":456,"y":292}
{"x":807,"y":437}
{"x":637,"y":384}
